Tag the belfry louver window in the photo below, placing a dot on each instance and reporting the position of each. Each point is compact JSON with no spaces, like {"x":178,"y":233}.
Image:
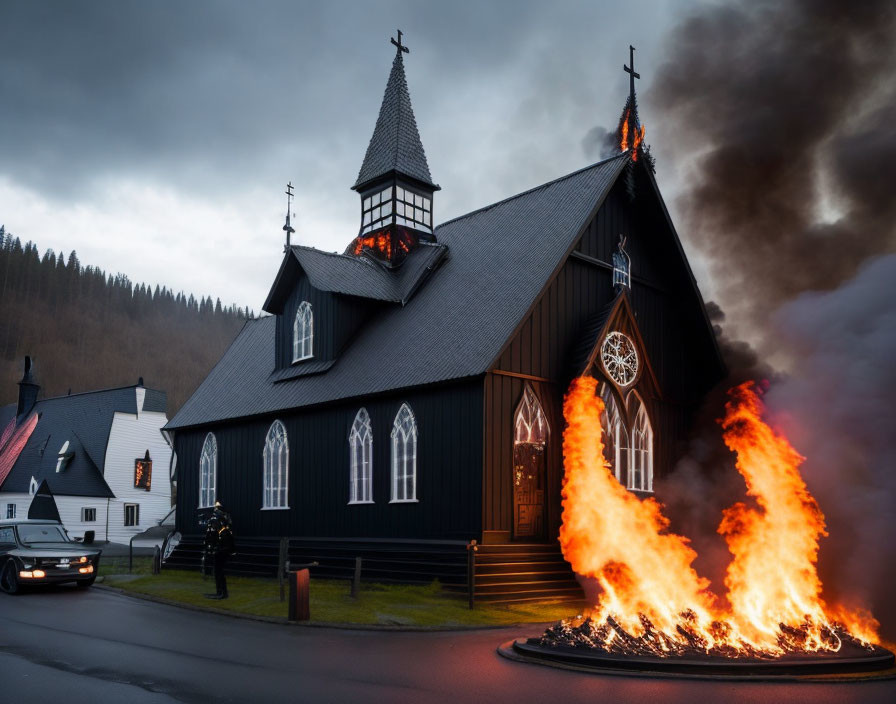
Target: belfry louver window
{"x":413,"y":210}
{"x":408,"y":208}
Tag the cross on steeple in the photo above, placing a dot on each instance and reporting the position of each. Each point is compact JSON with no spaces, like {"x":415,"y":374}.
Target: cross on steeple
{"x":401,"y":47}
{"x":631,"y":70}
{"x":288,"y":228}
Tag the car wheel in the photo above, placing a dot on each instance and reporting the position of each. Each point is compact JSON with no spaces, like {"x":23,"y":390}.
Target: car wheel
{"x":84,"y":583}
{"x":9,"y":580}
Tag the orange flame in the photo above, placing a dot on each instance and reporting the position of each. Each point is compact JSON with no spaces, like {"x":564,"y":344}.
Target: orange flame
{"x":637,"y":137}
{"x":772,"y":577}
{"x":650,"y":590}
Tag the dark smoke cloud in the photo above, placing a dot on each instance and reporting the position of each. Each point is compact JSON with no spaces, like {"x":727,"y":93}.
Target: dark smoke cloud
{"x":784,"y":106}
{"x":705,"y":481}
{"x":599,"y":143}
{"x":837,"y":409}
{"x":785,"y":112}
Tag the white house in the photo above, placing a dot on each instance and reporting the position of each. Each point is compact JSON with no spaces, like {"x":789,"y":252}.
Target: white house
{"x":102,"y":453}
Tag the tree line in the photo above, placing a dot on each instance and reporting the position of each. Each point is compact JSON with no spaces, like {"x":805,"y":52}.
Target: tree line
{"x":87,"y":330}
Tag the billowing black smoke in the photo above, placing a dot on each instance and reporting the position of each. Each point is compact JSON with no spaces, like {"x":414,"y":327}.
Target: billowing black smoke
{"x":838,"y":408}
{"x":785,"y":113}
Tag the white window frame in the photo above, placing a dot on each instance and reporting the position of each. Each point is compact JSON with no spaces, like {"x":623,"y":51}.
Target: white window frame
{"x":404,"y":456}
{"x":136,"y":523}
{"x":275,"y":479}
{"x":84,"y":511}
{"x":10,"y":511}
{"x":303,"y":333}
{"x":641,"y":453}
{"x":616,"y":426}
{"x":208,"y":472}
{"x":360,"y":443}
{"x":530,"y":423}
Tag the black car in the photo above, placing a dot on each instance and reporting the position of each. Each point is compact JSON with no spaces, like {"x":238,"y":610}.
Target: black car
{"x":40,"y":552}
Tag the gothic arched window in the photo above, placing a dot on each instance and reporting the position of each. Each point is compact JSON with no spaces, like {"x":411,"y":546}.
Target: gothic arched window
{"x":276,"y":467}
{"x":404,"y":456}
{"x":615,"y":435}
{"x":640,"y":475}
{"x":303,"y":333}
{"x":208,"y":471}
{"x":360,"y":443}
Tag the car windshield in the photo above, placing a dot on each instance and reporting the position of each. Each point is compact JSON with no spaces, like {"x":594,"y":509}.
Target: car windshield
{"x":29,"y":534}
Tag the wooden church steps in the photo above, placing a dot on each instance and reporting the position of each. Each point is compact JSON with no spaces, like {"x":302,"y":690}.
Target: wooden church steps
{"x":510,"y":573}
{"x":524,"y":572}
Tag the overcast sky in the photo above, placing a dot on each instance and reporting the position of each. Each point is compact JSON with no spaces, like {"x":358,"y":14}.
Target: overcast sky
{"x":156,"y":138}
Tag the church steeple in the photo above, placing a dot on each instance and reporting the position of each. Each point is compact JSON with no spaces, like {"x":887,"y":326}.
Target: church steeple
{"x":630,"y":133}
{"x":394,"y":182}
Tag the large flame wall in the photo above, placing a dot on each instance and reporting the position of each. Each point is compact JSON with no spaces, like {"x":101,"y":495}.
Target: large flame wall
{"x":646,"y":573}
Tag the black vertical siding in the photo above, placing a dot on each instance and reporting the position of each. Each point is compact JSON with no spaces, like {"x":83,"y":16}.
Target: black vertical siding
{"x":669,"y":318}
{"x":449,"y":480}
{"x":336,"y":319}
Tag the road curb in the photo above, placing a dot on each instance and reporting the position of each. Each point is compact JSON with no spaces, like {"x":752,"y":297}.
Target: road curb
{"x":313,"y":624}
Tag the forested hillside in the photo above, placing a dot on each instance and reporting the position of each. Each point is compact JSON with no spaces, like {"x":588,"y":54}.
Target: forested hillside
{"x":88,"y":330}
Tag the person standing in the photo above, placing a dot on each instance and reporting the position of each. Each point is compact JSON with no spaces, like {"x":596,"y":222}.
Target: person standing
{"x":219,"y":546}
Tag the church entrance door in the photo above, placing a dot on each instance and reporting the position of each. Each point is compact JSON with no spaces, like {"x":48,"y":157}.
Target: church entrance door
{"x":528,"y":490}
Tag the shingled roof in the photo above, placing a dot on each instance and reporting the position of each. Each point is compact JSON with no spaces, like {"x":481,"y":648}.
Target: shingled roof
{"x":354,"y":276}
{"x":85,"y":421}
{"x":395,"y":145}
{"x":501,"y":258}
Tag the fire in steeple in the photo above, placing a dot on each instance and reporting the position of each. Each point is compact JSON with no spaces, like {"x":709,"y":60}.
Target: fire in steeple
{"x":630,"y":133}
{"x":394,"y":182}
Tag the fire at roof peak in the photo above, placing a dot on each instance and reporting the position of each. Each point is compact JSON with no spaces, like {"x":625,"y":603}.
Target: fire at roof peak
{"x":630,"y":132}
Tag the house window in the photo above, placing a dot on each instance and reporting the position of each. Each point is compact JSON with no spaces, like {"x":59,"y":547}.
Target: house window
{"x":32,"y":487}
{"x":10,"y":510}
{"x":132,"y":514}
{"x":88,"y":515}
{"x":276,"y":467}
{"x":208,"y":471}
{"x":360,"y":444}
{"x":641,"y":472}
{"x":404,"y":456}
{"x":302,"y":332}
{"x":614,"y":434}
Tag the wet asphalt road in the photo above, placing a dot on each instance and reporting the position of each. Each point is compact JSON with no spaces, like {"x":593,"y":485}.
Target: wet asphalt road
{"x":96,"y":646}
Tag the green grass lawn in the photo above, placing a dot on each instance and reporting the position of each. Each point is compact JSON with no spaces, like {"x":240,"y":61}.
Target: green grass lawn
{"x":399,"y":605}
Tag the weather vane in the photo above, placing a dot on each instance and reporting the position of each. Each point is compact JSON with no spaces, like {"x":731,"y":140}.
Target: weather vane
{"x":288,"y":228}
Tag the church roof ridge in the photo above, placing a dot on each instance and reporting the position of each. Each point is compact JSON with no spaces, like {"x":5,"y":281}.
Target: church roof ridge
{"x":395,"y":144}
{"x":532,"y":190}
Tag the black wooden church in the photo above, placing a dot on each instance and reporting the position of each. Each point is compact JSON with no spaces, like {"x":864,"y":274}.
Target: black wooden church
{"x":405,"y":397}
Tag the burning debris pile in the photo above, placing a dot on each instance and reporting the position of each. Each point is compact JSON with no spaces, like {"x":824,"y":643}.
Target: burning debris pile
{"x":609,"y":637}
{"x":653,"y":603}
